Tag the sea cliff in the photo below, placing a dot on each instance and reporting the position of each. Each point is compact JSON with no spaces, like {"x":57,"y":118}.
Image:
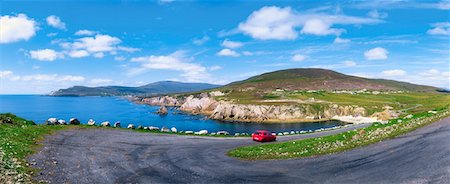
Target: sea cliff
{"x":229,"y":111}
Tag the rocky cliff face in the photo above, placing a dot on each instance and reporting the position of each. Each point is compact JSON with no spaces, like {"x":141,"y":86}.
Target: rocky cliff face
{"x":273,"y":113}
{"x":256,"y":113}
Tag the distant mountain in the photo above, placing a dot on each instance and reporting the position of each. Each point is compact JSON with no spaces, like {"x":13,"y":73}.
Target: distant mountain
{"x":322,"y":79}
{"x":163,"y":87}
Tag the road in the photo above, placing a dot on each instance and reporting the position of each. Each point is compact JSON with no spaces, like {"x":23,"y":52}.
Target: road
{"x":122,"y":156}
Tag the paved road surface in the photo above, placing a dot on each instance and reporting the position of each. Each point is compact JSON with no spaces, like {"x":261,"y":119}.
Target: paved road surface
{"x":121,"y":156}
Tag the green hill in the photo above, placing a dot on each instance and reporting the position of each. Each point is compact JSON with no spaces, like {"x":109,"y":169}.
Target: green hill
{"x":322,"y":79}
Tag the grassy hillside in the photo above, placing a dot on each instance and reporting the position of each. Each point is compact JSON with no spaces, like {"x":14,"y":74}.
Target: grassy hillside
{"x":322,"y":79}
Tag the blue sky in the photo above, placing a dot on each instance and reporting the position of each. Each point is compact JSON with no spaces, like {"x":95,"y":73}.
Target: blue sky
{"x":47,"y":45}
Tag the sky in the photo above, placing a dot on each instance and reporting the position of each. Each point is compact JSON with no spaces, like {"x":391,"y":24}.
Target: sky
{"x":48,"y":45}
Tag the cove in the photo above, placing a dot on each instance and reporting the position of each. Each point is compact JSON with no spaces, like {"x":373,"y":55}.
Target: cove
{"x":39,"y":108}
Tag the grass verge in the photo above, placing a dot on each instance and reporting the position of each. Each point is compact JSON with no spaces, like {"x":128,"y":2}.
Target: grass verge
{"x":339,"y":142}
{"x":18,"y":139}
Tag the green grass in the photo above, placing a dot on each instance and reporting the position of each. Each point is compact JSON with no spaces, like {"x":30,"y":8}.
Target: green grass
{"x":338,"y":142}
{"x":18,"y":140}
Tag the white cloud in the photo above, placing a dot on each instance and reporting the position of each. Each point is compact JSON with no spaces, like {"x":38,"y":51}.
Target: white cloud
{"x":165,"y":1}
{"x":5,"y":74}
{"x":441,"y":28}
{"x":78,"y":53}
{"x":97,"y":46}
{"x":56,"y":22}
{"x":319,"y":27}
{"x":85,"y":32}
{"x":52,"y":34}
{"x":341,"y":40}
{"x":228,"y":52}
{"x":375,"y":14}
{"x":298,"y":57}
{"x":377,"y":53}
{"x":16,"y":28}
{"x":392,"y":73}
{"x":98,"y":81}
{"x":45,"y":55}
{"x":53,"y":77}
{"x":231,"y":44}
{"x":176,"y":61}
{"x":201,"y":41}
{"x":272,"y":22}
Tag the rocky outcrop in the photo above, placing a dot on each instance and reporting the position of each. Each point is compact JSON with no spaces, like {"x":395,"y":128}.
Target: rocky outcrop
{"x":222,"y":110}
{"x":74,"y":121}
{"x":304,"y":112}
{"x":205,"y":105}
{"x":162,"y":110}
{"x":163,"y":101}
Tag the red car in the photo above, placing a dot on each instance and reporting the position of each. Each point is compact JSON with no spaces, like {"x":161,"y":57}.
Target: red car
{"x":263,"y":136}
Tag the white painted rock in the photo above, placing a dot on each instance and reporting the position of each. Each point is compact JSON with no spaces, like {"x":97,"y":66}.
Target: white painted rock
{"x":223,"y":133}
{"x":62,"y":122}
{"x":189,"y":132}
{"x":153,"y":128}
{"x":117,"y":124}
{"x":130,"y":126}
{"x":203,"y":132}
{"x":173,"y":129}
{"x":91,"y":122}
{"x":51,"y":121}
{"x":105,"y":124}
{"x":165,"y":129}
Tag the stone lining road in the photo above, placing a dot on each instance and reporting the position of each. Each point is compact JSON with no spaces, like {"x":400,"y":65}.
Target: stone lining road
{"x":122,"y":156}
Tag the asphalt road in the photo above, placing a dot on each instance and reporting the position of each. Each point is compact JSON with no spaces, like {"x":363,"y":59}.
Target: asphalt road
{"x":121,"y":156}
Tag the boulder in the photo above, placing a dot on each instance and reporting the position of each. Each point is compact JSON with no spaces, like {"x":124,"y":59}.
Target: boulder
{"x":117,"y":124}
{"x":285,"y":133}
{"x":292,"y":132}
{"x":280,"y":134}
{"x":409,"y":116}
{"x":165,"y":129}
{"x":105,"y":124}
{"x":91,"y":122}
{"x":62,"y":122}
{"x":189,"y":132}
{"x":173,"y":129}
{"x":130,"y":126}
{"x":162,"y":110}
{"x":203,"y":132}
{"x":223,"y":133}
{"x":236,"y":134}
{"x":213,"y":133}
{"x":153,"y":128}
{"x":140,"y":127}
{"x":145,"y":128}
{"x":74,"y":121}
{"x":51,"y":121}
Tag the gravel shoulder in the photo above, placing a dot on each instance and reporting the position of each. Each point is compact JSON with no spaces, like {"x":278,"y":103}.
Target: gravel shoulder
{"x":122,"y":156}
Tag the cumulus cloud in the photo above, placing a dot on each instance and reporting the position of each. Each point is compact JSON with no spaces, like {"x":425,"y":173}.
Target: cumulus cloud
{"x":232,"y":44}
{"x":277,"y":23}
{"x":78,"y":53}
{"x":97,"y":46}
{"x":45,"y":55}
{"x":56,"y":22}
{"x":441,"y":28}
{"x":176,"y":61}
{"x":228,"y":52}
{"x":16,"y":28}
{"x":298,"y":57}
{"x":341,"y":40}
{"x":391,"y":73}
{"x":52,"y":78}
{"x":201,"y":41}
{"x":377,"y":53}
{"x":85,"y":32}
{"x":120,"y":58}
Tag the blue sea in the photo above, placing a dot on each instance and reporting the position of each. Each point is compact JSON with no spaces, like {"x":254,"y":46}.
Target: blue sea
{"x":39,"y":108}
